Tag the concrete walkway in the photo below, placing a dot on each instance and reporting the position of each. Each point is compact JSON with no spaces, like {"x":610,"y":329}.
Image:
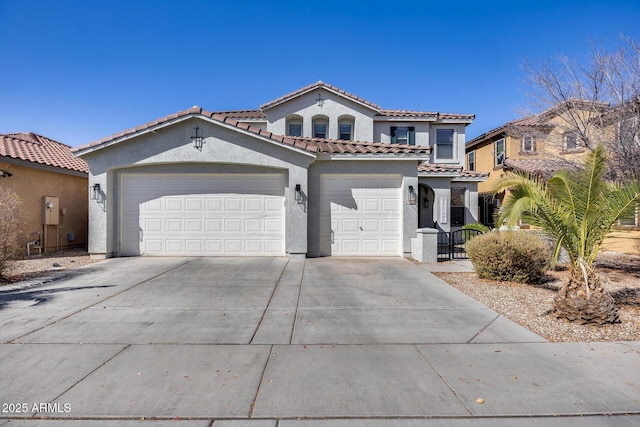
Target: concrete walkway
{"x":287,"y":342}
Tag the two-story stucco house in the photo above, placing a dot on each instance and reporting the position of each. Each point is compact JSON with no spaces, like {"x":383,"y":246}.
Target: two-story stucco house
{"x":316,"y":172}
{"x":540,"y":145}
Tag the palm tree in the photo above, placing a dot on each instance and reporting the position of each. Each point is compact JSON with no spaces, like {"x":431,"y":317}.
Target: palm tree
{"x":576,"y":209}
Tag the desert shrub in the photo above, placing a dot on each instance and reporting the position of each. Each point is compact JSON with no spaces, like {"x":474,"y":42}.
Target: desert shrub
{"x":11,"y":228}
{"x":516,"y":256}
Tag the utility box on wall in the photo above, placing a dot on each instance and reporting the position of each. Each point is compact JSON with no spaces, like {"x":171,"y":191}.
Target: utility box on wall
{"x":50,"y":210}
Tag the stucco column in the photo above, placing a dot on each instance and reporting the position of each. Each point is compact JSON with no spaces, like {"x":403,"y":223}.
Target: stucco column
{"x":425,"y":246}
{"x":98,"y":230}
{"x":409,"y":212}
{"x":298,"y":206}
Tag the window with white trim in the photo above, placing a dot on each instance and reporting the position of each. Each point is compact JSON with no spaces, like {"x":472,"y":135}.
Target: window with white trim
{"x":499,"y":152}
{"x":569,"y":141}
{"x":471,"y":161}
{"x":444,"y":144}
{"x":403,"y":135}
{"x":528,"y":144}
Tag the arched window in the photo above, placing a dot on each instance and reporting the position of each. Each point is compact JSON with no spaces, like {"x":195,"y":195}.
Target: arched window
{"x":346,"y":127}
{"x":320,"y":127}
{"x":294,"y":125}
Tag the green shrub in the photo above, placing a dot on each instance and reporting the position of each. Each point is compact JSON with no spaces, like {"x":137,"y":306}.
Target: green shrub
{"x":474,"y":227}
{"x":516,"y":256}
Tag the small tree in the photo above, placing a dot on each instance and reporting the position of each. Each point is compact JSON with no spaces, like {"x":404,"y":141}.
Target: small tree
{"x":577,"y":209}
{"x":11,"y":228}
{"x":595,"y":102}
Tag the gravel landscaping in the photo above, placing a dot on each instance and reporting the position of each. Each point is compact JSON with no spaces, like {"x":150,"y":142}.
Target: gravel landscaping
{"x":527,"y":305}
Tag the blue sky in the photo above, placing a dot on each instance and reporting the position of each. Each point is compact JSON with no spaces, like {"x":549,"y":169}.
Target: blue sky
{"x":77,"y":71}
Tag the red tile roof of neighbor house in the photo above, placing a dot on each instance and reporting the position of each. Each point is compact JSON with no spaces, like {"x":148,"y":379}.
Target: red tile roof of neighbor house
{"x":314,"y":145}
{"x":540,"y":167}
{"x":41,"y":150}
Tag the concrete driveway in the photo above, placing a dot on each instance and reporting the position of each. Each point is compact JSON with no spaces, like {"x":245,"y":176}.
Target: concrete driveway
{"x":267,"y":341}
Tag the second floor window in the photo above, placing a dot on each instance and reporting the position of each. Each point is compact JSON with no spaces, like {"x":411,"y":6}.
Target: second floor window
{"x":403,"y":135}
{"x":499,"y":152}
{"x":345,"y":131}
{"x":320,"y":130}
{"x":471,"y":161}
{"x":570,"y":141}
{"x":444,"y":144}
{"x":295,"y":129}
{"x":528,"y":144}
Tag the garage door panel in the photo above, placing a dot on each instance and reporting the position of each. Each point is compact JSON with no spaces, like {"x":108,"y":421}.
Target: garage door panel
{"x":273,"y":226}
{"x":153,"y":225}
{"x":213,"y":224}
{"x":372,"y":225}
{"x":193,"y":204}
{"x":361,"y":215}
{"x":204,"y":215}
{"x":213,"y":204}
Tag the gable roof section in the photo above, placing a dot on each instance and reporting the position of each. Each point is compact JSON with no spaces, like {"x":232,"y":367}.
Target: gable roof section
{"x":317,"y":85}
{"x":312,"y":145}
{"x":41,"y":150}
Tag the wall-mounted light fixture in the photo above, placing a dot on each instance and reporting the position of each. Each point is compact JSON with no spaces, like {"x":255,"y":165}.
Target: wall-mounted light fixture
{"x":198,"y":140}
{"x":320,"y":100}
{"x":95,"y":192}
{"x":412,"y":195}
{"x":298,"y":194}
{"x":5,"y":174}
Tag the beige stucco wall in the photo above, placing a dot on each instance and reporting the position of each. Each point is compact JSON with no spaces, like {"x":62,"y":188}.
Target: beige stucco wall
{"x":626,"y":241}
{"x":31,"y":185}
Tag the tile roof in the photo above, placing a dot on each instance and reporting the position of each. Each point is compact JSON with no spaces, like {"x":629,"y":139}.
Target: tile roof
{"x":309,"y":88}
{"x":425,"y":114}
{"x":540,"y":167}
{"x":314,"y":145}
{"x":39,"y":149}
{"x":448,"y":169}
{"x":244,"y":114}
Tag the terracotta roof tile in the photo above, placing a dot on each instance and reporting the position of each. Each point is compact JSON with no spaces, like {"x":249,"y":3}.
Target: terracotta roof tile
{"x":439,"y":168}
{"x":309,"y":144}
{"x":313,"y":86}
{"x":335,"y":146}
{"x":39,"y":149}
{"x":244,"y":114}
{"x":446,"y":169}
{"x":540,"y":167}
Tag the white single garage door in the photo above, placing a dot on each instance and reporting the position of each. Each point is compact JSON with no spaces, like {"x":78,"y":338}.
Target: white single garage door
{"x":361,"y":215}
{"x":203,"y":215}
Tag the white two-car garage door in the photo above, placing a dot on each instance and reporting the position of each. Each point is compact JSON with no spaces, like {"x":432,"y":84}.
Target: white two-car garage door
{"x":364,"y":215}
{"x":203,"y":215}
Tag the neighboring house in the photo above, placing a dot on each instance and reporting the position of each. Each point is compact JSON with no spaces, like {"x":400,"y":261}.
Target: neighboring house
{"x":539,"y":145}
{"x":52,"y":185}
{"x":316,"y":172}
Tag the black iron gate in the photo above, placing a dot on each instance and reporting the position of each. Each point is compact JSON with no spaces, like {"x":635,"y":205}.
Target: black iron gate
{"x":452,"y":245}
